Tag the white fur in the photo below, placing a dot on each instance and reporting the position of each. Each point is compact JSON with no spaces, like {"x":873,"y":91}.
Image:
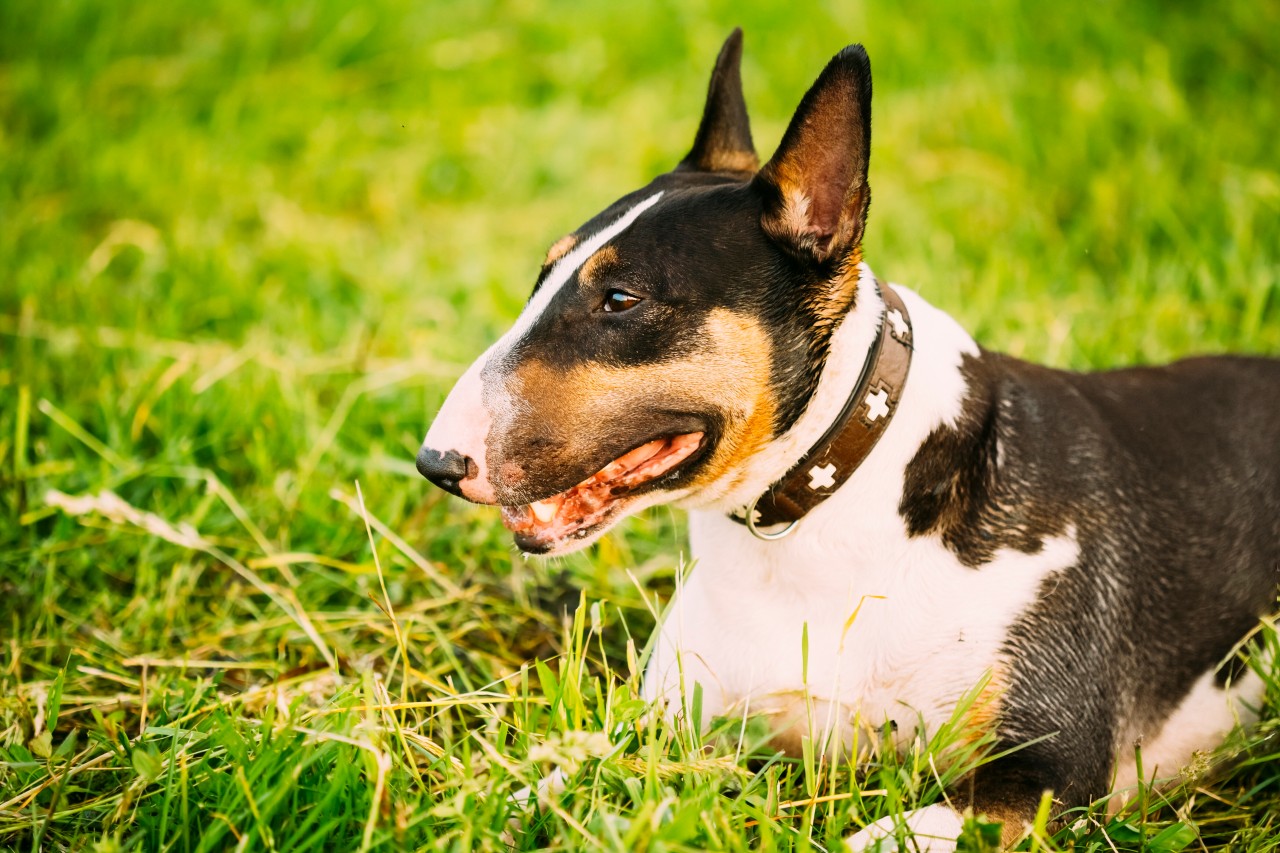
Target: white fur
{"x":563,"y":270}
{"x":934,"y":829}
{"x":1201,"y":721}
{"x":929,"y":628}
{"x":463,"y":422}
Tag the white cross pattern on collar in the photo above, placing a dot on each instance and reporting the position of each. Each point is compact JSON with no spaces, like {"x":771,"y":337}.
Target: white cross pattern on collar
{"x":820,"y":477}
{"x":877,"y":404}
{"x":899,"y":323}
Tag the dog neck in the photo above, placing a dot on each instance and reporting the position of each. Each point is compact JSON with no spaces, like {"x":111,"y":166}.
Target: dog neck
{"x":866,"y":415}
{"x":849,"y":348}
{"x":933,"y":396}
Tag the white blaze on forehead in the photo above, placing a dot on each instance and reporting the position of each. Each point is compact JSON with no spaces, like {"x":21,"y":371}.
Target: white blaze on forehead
{"x":463,"y":422}
{"x":563,"y":270}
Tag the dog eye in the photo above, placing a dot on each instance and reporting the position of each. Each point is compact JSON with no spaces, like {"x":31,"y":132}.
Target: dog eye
{"x":617,"y":301}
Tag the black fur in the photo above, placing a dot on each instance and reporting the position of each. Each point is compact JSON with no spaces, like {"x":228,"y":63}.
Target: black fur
{"x":1170,"y":477}
{"x":676,"y":257}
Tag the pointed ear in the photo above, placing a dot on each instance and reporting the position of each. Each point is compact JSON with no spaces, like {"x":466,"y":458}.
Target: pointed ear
{"x":723,"y":143}
{"x":815,"y":187}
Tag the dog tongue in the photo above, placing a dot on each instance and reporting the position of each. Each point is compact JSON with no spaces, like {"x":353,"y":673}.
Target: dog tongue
{"x":588,"y":497}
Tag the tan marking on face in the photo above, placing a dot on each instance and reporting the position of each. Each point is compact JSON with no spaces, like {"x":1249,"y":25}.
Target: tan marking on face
{"x":606,"y":257}
{"x":591,"y":403}
{"x":747,"y":345}
{"x":736,"y":381}
{"x":560,"y":248}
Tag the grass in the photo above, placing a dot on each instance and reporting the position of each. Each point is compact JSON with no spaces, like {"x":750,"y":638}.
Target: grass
{"x":245,"y":248}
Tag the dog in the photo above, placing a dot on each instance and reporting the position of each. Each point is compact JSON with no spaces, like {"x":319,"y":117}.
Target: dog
{"x":932,"y":519}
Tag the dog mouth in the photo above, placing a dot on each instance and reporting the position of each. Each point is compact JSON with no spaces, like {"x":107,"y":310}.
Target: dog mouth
{"x":579,"y":511}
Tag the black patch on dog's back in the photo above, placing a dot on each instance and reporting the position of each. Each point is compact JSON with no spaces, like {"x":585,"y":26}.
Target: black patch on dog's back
{"x":1170,"y":479}
{"x":975,"y":484}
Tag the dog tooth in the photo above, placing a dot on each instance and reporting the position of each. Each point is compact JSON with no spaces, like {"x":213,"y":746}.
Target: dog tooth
{"x":544,"y":511}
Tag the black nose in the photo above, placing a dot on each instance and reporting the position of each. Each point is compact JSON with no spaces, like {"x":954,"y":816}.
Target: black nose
{"x":446,"y":469}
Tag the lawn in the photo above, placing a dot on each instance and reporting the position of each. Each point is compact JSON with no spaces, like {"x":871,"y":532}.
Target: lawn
{"x":245,"y":248}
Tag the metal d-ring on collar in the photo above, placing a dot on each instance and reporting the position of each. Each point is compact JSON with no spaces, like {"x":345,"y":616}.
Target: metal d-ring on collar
{"x":855,"y":432}
{"x":750,"y":520}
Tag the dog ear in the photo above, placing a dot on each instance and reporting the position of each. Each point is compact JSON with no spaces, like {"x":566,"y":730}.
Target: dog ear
{"x":815,"y":187}
{"x":723,"y":143}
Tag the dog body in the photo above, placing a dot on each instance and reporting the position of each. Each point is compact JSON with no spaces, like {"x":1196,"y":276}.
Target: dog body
{"x":1068,"y":557}
{"x":1038,"y":596}
{"x":928,"y":628}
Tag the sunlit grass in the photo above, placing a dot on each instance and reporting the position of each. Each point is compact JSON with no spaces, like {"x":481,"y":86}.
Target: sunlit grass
{"x":244,"y":251}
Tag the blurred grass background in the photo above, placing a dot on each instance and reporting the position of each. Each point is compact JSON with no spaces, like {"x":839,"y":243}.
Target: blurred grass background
{"x":245,"y":249}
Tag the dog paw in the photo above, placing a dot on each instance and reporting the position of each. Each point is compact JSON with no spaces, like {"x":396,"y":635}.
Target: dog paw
{"x":933,"y":829}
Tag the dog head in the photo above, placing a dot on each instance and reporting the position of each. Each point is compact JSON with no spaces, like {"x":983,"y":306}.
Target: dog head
{"x":675,"y":334}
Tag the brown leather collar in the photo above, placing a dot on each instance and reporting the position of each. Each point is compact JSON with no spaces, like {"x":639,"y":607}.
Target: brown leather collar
{"x":849,"y":441}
